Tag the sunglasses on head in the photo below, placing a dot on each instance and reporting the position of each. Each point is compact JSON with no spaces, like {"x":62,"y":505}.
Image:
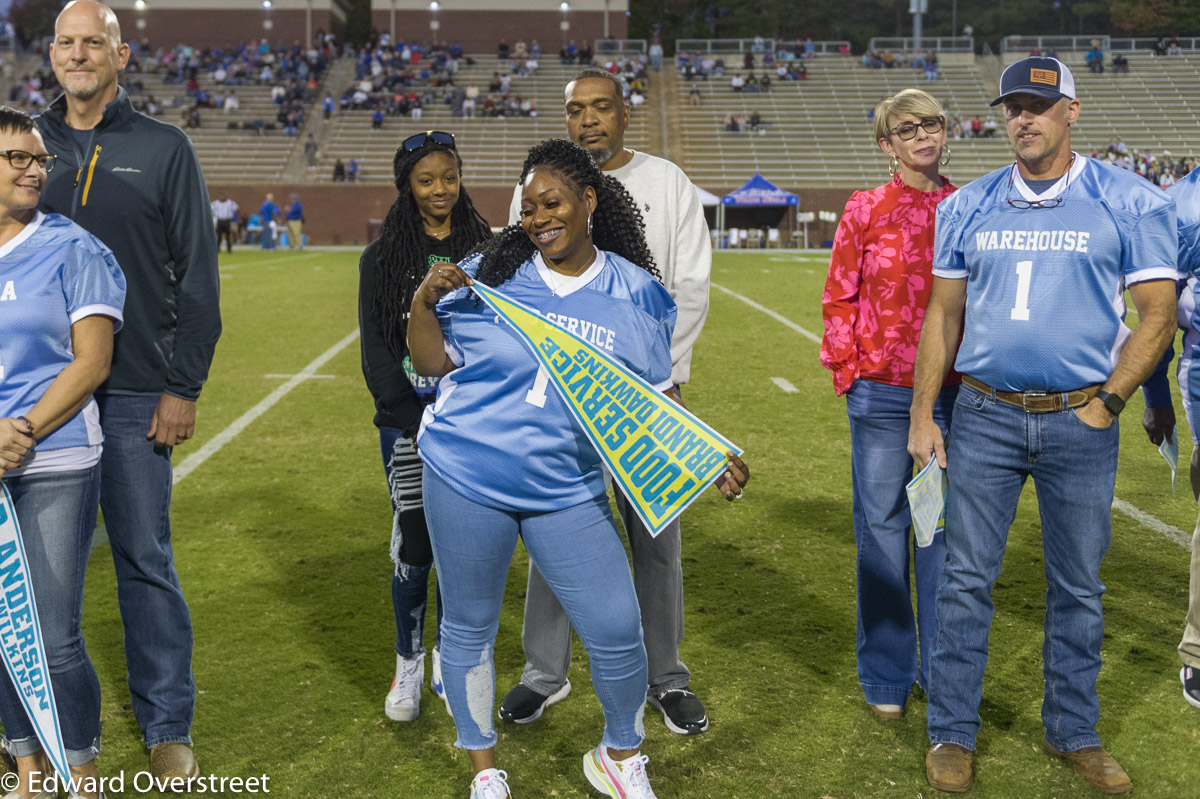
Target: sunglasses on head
{"x":419,"y":140}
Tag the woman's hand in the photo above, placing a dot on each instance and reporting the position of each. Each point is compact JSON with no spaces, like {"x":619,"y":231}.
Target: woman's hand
{"x":736,"y":475}
{"x":426,"y":345}
{"x":440,"y":281}
{"x":16,"y":440}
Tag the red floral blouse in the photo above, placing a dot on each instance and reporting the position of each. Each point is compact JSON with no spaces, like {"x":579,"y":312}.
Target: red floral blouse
{"x":880,"y":278}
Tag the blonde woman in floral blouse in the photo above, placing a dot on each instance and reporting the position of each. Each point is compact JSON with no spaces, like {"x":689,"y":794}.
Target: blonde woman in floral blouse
{"x":879,"y":282}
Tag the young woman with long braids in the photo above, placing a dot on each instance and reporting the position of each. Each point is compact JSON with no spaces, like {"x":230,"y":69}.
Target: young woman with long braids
{"x":431,"y":221}
{"x":503,"y":457}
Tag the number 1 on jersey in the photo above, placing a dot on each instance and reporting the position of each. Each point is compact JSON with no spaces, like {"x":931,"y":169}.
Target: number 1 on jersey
{"x":537,"y":394}
{"x":1020,"y":311}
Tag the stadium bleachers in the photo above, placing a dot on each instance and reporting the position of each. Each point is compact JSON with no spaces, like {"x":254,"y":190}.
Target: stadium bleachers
{"x":818,"y":134}
{"x":492,"y":149}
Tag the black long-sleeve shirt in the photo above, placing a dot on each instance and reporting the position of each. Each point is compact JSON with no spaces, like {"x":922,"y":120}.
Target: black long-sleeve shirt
{"x":397,"y":403}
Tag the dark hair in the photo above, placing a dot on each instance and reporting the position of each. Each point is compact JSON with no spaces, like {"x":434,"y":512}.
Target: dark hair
{"x":14,"y":120}
{"x":402,"y":248}
{"x":616,"y":224}
{"x":603,"y":74}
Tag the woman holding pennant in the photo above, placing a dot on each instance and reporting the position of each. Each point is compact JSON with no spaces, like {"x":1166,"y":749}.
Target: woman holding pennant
{"x":505,"y":458}
{"x":432,"y":221}
{"x":61,"y":298}
{"x":880,"y":278}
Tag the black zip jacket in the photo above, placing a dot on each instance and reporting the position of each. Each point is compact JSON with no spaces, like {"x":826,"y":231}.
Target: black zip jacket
{"x":139,"y":189}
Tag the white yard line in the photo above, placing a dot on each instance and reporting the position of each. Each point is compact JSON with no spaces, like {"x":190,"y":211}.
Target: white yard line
{"x":786,"y":385}
{"x":777,"y":317}
{"x":1138,"y":515}
{"x":214,"y":444}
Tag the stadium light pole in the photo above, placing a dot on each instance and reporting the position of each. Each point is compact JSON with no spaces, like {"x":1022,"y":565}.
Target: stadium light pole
{"x":566,"y":26}
{"x":433,"y":9}
{"x":140,"y":7}
{"x":917,"y":8}
{"x":267,"y":24}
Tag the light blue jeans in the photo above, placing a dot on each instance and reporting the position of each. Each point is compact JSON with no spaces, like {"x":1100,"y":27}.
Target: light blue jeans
{"x":579,"y":553}
{"x":57,"y":515}
{"x":993,"y":448}
{"x":880,"y":468}
{"x":135,"y":496}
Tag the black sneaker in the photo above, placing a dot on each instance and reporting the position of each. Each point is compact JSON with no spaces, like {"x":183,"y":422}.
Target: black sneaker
{"x":682,"y":712}
{"x":1190,"y":677}
{"x":523,"y":704}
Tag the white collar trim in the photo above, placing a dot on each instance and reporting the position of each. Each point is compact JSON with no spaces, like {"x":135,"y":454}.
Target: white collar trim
{"x":572,"y":285}
{"x":1051,"y":192}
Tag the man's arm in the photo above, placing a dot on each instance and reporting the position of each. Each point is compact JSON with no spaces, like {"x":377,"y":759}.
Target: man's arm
{"x":690,"y":277}
{"x":1155,"y":303}
{"x":935,"y":356}
{"x":192,"y":243}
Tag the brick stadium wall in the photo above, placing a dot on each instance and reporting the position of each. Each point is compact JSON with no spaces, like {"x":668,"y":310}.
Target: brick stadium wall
{"x":339,"y":214}
{"x":481,"y":31}
{"x":168,"y":27}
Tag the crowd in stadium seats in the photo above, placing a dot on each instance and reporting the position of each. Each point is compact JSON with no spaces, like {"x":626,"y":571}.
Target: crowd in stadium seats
{"x":925,"y":61}
{"x":1162,"y":170}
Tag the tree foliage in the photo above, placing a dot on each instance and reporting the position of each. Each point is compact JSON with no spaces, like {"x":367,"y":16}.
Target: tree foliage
{"x":860,"y":20}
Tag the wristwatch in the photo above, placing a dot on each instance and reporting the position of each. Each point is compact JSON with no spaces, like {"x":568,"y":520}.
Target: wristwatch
{"x":1112,"y":402}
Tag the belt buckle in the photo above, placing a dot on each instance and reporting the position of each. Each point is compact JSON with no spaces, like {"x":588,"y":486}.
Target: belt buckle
{"x":1025,"y":396}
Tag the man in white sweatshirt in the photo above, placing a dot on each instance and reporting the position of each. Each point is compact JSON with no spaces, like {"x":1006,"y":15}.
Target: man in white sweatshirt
{"x":597,"y":116}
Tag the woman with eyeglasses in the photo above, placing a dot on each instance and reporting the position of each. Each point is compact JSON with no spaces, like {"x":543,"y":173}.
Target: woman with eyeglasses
{"x":880,"y":278}
{"x":432,"y":221}
{"x":61,"y":298}
{"x":504,"y":458}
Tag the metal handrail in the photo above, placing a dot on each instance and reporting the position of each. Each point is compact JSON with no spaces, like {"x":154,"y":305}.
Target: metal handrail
{"x":722,"y":46}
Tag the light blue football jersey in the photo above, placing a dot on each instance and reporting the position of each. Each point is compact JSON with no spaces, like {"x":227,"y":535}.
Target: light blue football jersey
{"x":1045,"y":303}
{"x":498,"y":431}
{"x":1186,"y":194}
{"x":53,"y":274}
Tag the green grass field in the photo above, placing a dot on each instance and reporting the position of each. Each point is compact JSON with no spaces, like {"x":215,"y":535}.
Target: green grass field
{"x":281,"y":538}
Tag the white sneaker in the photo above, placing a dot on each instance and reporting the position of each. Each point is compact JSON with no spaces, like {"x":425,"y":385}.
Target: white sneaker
{"x":490,"y":783}
{"x":403,"y":701}
{"x":435,"y":682}
{"x":619,"y":779}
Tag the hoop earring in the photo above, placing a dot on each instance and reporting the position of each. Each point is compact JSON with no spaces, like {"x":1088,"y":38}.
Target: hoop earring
{"x":894,"y":166}
{"x":589,"y":228}
{"x":945,"y":155}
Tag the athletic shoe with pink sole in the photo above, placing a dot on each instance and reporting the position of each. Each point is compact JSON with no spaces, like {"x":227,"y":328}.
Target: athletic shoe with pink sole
{"x":490,"y":783}
{"x":618,"y":779}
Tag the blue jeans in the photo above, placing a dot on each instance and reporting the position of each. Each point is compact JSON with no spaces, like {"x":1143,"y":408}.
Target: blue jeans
{"x":267,"y":237}
{"x":880,"y":467}
{"x":135,"y":497}
{"x":57,"y":515}
{"x":993,"y":449}
{"x":579,"y":553}
{"x":411,"y":551}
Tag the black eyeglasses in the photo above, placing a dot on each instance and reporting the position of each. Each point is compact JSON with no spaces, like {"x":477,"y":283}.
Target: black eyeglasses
{"x":1024,"y":205}
{"x":907,"y":130}
{"x":21,"y":159}
{"x":419,"y":140}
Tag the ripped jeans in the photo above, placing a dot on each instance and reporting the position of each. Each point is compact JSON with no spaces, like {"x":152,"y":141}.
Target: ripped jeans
{"x":580,"y":554}
{"x":56,"y":512}
{"x":410,"y":550}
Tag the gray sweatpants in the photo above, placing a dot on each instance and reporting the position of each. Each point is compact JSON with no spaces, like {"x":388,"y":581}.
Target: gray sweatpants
{"x":658,"y":580}
{"x":1189,"y":647}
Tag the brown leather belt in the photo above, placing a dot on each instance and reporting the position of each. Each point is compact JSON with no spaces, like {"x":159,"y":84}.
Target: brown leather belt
{"x":1036,"y":401}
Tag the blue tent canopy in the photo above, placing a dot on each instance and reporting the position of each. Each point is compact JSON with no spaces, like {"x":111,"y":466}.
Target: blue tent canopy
{"x":760,"y":191}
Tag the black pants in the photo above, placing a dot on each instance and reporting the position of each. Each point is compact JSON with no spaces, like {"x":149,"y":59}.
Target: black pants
{"x":225,"y":231}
